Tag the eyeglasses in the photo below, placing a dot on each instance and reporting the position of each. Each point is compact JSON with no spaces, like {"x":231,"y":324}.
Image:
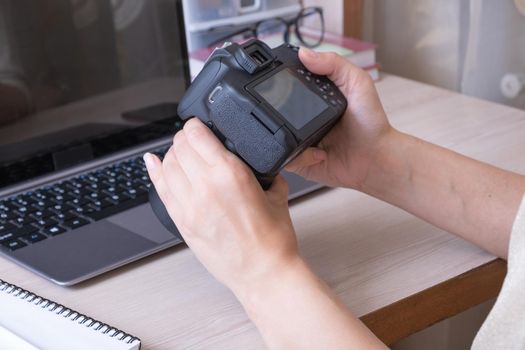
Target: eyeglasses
{"x":308,"y":27}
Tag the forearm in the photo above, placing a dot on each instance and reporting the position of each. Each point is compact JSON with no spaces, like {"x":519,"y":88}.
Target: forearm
{"x":463,"y":196}
{"x":295,"y":310}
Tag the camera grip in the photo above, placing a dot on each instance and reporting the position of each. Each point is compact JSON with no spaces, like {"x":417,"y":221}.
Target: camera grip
{"x":253,"y":142}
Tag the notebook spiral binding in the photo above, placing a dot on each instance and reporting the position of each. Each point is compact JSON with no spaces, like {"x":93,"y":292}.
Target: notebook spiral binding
{"x":65,"y":312}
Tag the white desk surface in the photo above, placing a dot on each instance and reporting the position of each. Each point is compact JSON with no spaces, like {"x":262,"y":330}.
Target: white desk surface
{"x":370,"y":253}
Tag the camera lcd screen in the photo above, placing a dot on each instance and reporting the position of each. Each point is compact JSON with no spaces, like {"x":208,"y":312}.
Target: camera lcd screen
{"x":290,"y":97}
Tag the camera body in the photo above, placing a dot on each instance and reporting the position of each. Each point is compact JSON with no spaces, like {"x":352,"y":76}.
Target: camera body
{"x":263,"y":104}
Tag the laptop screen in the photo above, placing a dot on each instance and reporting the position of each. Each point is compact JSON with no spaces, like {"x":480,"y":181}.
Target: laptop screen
{"x":83,"y":79}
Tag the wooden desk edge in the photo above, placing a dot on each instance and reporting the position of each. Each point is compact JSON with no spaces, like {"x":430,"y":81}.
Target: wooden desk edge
{"x":418,"y":311}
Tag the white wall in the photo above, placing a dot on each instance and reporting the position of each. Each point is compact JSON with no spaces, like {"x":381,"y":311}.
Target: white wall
{"x":333,"y":13}
{"x":418,"y":39}
{"x":467,"y":46}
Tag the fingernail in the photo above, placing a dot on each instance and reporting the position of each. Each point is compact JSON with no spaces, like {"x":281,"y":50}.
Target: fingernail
{"x":148,"y":160}
{"x":310,"y":53}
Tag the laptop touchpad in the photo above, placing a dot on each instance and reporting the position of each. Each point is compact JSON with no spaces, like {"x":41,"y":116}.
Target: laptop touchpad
{"x":142,"y":221}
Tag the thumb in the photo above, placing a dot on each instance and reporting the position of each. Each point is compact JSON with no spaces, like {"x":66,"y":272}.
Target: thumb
{"x":336,"y":67}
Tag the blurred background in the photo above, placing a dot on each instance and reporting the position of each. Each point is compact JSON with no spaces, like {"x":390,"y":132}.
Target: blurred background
{"x":475,"y":47}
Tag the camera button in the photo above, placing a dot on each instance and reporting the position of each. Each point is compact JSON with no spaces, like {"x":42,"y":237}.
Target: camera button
{"x":308,"y":78}
{"x":333,"y":102}
{"x":318,"y":81}
{"x":325,"y":97}
{"x":300,"y":71}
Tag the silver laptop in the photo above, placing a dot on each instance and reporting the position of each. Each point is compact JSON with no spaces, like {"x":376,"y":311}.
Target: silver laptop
{"x":85,"y":89}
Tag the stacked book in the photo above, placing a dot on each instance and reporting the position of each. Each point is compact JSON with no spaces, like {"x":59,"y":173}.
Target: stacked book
{"x":360,"y":53}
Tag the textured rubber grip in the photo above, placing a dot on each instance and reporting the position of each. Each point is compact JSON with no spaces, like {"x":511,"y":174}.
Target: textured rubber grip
{"x":253,"y":142}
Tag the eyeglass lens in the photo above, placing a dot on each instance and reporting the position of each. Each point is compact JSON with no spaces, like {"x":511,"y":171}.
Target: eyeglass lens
{"x":309,"y":28}
{"x":270,"y":27}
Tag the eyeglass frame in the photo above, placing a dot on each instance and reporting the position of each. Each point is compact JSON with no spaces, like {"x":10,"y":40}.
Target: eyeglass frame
{"x":288,"y":23}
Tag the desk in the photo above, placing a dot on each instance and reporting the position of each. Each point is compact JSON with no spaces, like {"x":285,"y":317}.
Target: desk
{"x":394,"y":271}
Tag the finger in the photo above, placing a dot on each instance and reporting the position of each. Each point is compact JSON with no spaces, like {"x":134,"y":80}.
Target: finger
{"x":309,"y":157}
{"x":204,"y":142}
{"x":176,"y":179}
{"x":155,"y":172}
{"x":189,"y":160}
{"x":278,"y":192}
{"x":336,"y":67}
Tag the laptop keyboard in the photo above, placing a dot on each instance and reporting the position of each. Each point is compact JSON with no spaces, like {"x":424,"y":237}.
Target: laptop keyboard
{"x":52,"y":210}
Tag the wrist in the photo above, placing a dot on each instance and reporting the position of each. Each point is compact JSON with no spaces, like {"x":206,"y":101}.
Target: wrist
{"x":387,"y":163}
{"x":256,"y":295}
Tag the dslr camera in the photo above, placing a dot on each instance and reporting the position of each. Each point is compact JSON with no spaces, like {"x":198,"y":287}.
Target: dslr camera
{"x":263,"y":104}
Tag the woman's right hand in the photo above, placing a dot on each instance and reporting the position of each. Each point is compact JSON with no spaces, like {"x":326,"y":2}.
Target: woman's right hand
{"x":343,"y":157}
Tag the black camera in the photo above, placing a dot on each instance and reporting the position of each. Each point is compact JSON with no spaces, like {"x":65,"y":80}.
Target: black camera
{"x":264,"y":106}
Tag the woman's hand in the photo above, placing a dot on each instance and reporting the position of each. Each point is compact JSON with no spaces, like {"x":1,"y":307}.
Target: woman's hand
{"x":239,"y":232}
{"x":343,"y":157}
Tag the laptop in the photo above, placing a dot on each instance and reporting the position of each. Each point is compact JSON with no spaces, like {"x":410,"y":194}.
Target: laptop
{"x":92,"y":86}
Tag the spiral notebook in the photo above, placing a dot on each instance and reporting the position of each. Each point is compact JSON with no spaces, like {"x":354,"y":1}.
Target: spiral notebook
{"x":28,"y":321}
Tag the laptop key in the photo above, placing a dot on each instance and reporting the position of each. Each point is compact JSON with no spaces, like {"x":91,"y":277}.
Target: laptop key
{"x":6,"y":226}
{"x":53,"y":230}
{"x":61,"y":217}
{"x":103,"y":203}
{"x":42,"y":214}
{"x":43,"y":203}
{"x":43,"y":223}
{"x":10,"y":216}
{"x":24,"y":220}
{"x":26,"y":210}
{"x":34,"y":237}
{"x":6,"y":236}
{"x":75,"y":223}
{"x":78,"y":202}
{"x":61,"y":198}
{"x":14,"y":244}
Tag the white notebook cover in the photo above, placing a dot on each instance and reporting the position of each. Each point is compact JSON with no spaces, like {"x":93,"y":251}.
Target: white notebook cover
{"x":29,"y":321}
